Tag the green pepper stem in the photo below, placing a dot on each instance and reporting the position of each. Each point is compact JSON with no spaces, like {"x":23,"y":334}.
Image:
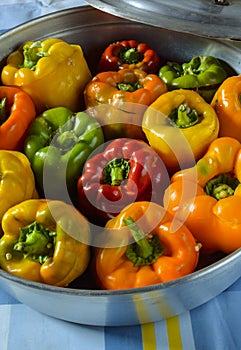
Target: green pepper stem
{"x":130,"y":56}
{"x":3,"y":111}
{"x":36,"y":242}
{"x":32,"y":54}
{"x":183,"y":116}
{"x":66,"y":140}
{"x":116,"y":171}
{"x":143,"y":251}
{"x":128,"y":87}
{"x":144,"y":248}
{"x":222,"y":186}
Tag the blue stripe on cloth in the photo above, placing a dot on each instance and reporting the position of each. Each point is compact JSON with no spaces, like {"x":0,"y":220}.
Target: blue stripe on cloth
{"x":6,"y":299}
{"x":185,"y":325}
{"x":216,"y":324}
{"x":161,"y":335}
{"x":15,"y":14}
{"x":119,"y":338}
{"x":29,"y":329}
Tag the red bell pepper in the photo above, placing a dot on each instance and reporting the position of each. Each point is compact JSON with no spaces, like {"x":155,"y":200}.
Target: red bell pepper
{"x":126,"y":171}
{"x":129,"y":54}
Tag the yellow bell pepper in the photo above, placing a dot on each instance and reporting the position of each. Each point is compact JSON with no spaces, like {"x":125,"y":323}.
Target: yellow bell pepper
{"x":17,"y":180}
{"x":180,"y":125}
{"x":53,"y":72}
{"x":44,"y":241}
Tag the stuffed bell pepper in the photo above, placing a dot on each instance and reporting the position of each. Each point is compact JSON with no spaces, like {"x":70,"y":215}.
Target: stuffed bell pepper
{"x":147,"y":250}
{"x":53,"y":73}
{"x":44,"y":241}
{"x":118,"y":100}
{"x":203,"y":74}
{"x":125,"y":171}
{"x":58,"y":144}
{"x":17,"y":180}
{"x":213,"y":212}
{"x":179,"y":126}
{"x":17,"y":112}
{"x":129,"y":54}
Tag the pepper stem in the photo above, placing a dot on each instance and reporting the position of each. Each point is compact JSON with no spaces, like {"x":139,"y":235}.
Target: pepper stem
{"x":32,"y":54}
{"x":36,"y":242}
{"x":129,"y":87}
{"x":66,"y":140}
{"x":183,"y":116}
{"x":130,"y":56}
{"x":3,"y":111}
{"x":116,"y":171}
{"x":221,"y":186}
{"x":143,"y":251}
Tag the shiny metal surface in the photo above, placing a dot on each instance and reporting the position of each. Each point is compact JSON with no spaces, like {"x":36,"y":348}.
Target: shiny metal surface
{"x":212,"y":18}
{"x":93,"y":30}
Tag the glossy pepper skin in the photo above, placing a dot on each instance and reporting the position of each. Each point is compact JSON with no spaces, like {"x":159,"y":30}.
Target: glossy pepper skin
{"x":17,"y":180}
{"x":202,"y":73}
{"x":58,"y":144}
{"x":213,"y":213}
{"x":179,"y":126}
{"x":125,"y":171}
{"x":17,"y":111}
{"x":53,"y":73}
{"x":42,"y":242}
{"x":128,"y":54}
{"x":157,"y":254}
{"x":115,"y":99}
{"x":227,"y":105}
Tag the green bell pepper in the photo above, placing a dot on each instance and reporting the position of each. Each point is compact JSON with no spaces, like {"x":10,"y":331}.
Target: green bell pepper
{"x":203,"y":74}
{"x":57,"y":145}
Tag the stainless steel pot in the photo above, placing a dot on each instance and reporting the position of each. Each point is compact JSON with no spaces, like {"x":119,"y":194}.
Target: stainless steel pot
{"x":211,"y":18}
{"x":93,"y":30}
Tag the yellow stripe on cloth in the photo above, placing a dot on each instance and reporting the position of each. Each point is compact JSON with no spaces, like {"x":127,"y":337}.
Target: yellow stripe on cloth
{"x":148,"y":336}
{"x":174,"y":333}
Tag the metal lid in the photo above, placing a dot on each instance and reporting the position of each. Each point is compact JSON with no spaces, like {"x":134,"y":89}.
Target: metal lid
{"x":211,"y":18}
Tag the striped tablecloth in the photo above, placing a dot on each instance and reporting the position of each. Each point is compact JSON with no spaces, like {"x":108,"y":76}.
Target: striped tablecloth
{"x":213,"y":326}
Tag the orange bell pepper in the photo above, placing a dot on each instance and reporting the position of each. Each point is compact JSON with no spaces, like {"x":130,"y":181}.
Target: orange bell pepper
{"x":227,"y":104}
{"x":17,"y":111}
{"x":212,"y":211}
{"x":119,"y":97}
{"x":143,"y":249}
